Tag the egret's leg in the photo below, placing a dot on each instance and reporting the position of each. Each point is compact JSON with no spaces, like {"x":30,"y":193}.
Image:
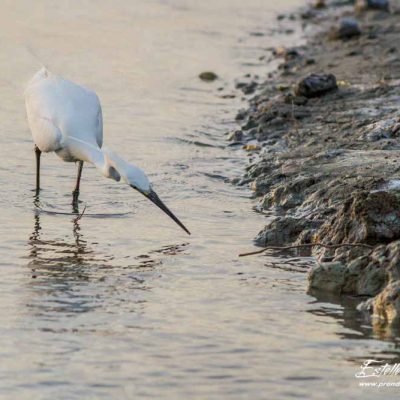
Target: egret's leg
{"x":75,"y":193}
{"x":37,"y":153}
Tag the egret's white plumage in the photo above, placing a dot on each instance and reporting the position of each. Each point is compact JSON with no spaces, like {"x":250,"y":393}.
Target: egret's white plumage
{"x":66,"y":118}
{"x":58,"y":110}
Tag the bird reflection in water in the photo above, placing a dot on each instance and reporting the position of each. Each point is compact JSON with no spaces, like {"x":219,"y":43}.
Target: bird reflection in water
{"x":62,"y":270}
{"x":71,"y":276}
{"x":58,"y":258}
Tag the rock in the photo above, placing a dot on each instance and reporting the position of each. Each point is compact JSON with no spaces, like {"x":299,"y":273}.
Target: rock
{"x":289,"y":194}
{"x":308,"y":14}
{"x":346,"y":29}
{"x":328,"y":277}
{"x":282,"y":88}
{"x":386,"y":306}
{"x":320,"y":4}
{"x":365,"y":217}
{"x":362,"y":5}
{"x":363,"y":276}
{"x":387,"y":258}
{"x":289,"y":53}
{"x":235,"y":136}
{"x":208,"y":76}
{"x":247,"y":88}
{"x":316,"y":85}
{"x":366,"y":275}
{"x":279,"y":51}
{"x":251,"y":147}
{"x":282,"y":231}
{"x":383,"y":129}
{"x":250,"y":124}
{"x":355,"y":279}
{"x":241,"y":115}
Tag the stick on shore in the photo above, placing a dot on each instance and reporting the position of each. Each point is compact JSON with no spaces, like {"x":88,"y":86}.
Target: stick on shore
{"x":307,"y":245}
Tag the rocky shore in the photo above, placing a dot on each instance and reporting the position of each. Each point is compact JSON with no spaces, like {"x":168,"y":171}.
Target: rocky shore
{"x":325,"y":133}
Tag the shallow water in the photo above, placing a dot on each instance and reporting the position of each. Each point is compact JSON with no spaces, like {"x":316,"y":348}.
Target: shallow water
{"x":121,"y":303}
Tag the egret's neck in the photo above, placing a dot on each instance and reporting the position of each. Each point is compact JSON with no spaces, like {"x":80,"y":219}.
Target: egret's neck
{"x":110,"y":164}
{"x":94,"y":155}
{"x":84,"y":151}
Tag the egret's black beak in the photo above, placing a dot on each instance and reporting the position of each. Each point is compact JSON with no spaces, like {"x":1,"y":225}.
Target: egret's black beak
{"x":152,"y":196}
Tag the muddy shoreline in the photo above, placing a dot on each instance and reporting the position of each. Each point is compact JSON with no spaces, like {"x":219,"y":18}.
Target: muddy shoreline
{"x":324,"y":131}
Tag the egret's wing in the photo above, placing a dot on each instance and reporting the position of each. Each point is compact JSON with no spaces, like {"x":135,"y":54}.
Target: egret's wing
{"x":46,"y":135}
{"x":79,"y":113}
{"x":59,"y":109}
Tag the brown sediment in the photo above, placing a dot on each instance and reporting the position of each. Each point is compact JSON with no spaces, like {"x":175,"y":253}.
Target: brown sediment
{"x":327,"y":128}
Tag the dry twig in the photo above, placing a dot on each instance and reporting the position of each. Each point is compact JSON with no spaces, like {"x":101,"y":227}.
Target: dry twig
{"x":307,"y":245}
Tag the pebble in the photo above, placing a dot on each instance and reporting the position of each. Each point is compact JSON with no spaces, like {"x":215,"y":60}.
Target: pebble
{"x":287,"y":53}
{"x":235,"y":136}
{"x":241,"y":115}
{"x":346,"y":29}
{"x":362,"y":5}
{"x":316,"y":85}
{"x":251,"y":147}
{"x":208,"y":76}
{"x":247,"y":87}
{"x":320,"y":4}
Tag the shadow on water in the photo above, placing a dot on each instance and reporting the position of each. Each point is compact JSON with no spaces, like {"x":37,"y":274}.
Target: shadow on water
{"x":359,"y":326}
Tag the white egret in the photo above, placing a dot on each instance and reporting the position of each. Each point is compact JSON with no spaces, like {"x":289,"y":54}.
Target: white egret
{"x":66,"y":118}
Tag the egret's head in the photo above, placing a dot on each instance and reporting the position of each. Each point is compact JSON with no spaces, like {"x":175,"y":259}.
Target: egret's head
{"x":138,"y":180}
{"x":118,"y":169}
